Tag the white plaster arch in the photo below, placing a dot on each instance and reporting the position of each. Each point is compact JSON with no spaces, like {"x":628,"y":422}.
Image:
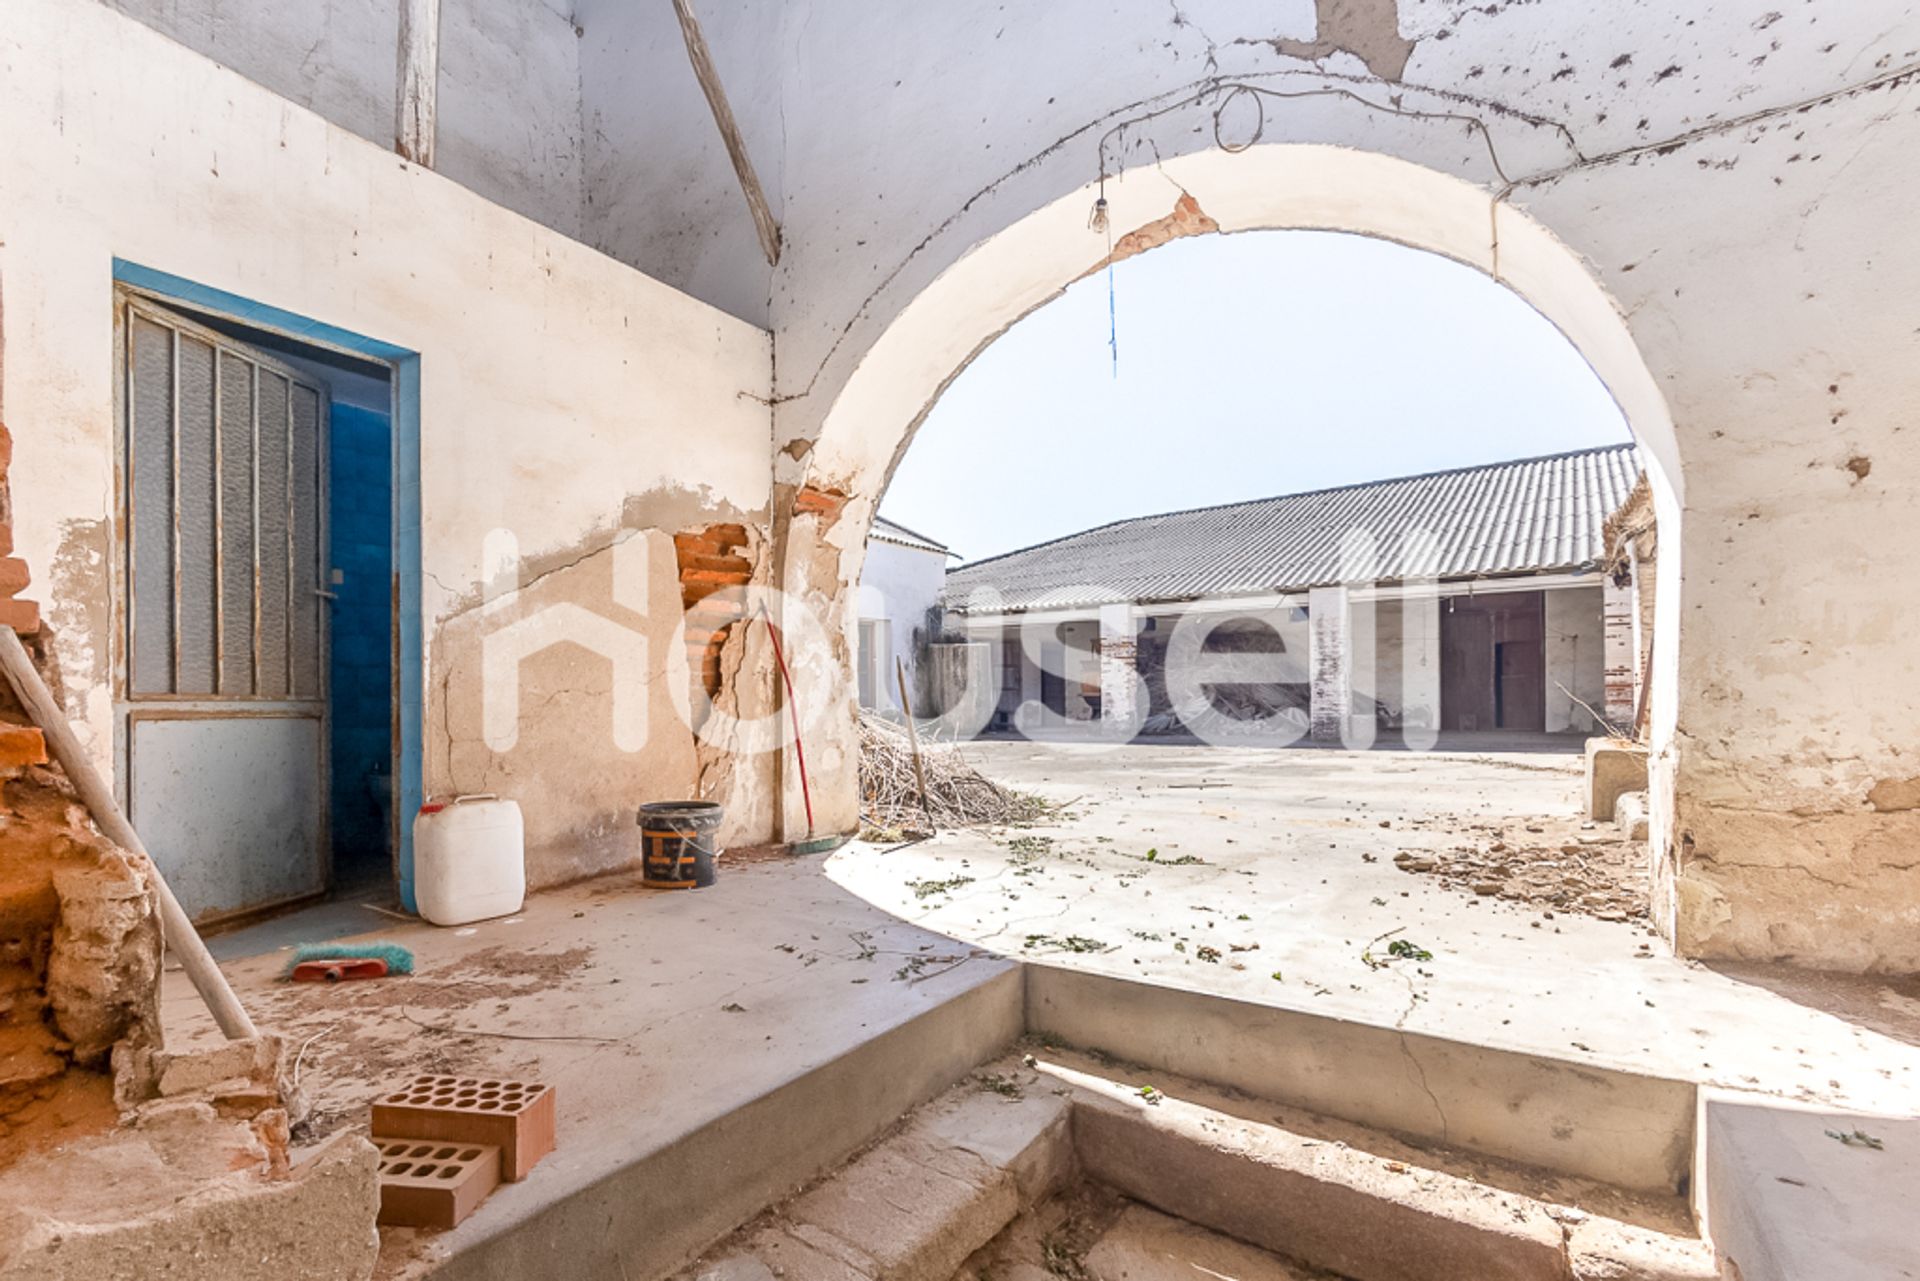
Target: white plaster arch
{"x":1283,"y":186}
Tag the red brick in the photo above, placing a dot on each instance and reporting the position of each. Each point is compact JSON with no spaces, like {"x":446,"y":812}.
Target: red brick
{"x":13,"y":575}
{"x":21,"y":745}
{"x":819,"y":502}
{"x":738,"y":566}
{"x":21,"y":615}
{"x":425,"y":1183}
{"x":6,"y":448}
{"x":516,"y":1117}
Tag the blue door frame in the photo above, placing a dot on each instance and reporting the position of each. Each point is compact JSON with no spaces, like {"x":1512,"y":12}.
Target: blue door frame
{"x":409,"y":751}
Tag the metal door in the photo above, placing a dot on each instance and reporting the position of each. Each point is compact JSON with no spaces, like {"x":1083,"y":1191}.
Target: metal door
{"x":222,"y":660}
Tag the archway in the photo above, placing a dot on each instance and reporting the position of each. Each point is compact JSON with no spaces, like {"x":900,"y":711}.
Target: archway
{"x":1270,"y":187}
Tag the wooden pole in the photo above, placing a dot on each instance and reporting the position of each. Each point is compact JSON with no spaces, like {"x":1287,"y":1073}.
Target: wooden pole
{"x":913,"y":737}
{"x":703,"y":71}
{"x":417,"y":92}
{"x":176,"y":931}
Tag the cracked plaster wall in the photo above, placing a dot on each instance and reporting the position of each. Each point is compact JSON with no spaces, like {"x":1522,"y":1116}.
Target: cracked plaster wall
{"x":565,"y":399}
{"x":1735,"y":177}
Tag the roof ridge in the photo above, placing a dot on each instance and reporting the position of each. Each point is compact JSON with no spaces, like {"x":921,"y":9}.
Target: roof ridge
{"x":1302,"y":493}
{"x":914,"y":533}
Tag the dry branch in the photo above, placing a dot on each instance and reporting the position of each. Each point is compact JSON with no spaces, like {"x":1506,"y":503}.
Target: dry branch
{"x":957,"y":795}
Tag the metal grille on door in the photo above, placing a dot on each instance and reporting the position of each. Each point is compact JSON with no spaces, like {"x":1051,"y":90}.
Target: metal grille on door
{"x":224,"y":678}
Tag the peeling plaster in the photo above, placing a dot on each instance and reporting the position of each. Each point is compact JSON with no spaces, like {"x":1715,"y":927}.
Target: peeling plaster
{"x":1187,"y":219}
{"x":1895,"y":795}
{"x":1367,"y":29}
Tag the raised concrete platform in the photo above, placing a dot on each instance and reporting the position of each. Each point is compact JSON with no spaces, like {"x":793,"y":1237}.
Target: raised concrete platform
{"x":716,"y":1051}
{"x":711,"y":1051}
{"x":1793,"y":1194}
{"x":1621,"y":1128}
{"x":1293,"y":851}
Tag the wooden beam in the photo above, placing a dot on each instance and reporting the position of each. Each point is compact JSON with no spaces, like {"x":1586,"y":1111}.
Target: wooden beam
{"x":709,"y":79}
{"x":418,"y":85}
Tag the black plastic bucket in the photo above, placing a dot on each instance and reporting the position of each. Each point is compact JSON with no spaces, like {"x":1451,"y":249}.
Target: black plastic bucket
{"x":676,"y":840}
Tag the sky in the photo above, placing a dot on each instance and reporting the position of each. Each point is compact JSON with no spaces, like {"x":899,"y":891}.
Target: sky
{"x":1249,"y":365}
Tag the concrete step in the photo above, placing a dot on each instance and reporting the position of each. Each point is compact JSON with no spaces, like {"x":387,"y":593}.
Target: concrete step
{"x":1794,"y":1193}
{"x":1216,"y":1186}
{"x":1366,"y":1207}
{"x":917,"y":1204}
{"x":1145,"y":1245}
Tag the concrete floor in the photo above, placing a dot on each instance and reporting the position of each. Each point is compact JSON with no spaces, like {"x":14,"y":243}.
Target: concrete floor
{"x":658,"y":1016}
{"x":1297,"y":867}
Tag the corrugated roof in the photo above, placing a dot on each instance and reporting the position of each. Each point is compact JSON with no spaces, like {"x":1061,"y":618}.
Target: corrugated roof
{"x":888,"y":531}
{"x":1529,"y":515}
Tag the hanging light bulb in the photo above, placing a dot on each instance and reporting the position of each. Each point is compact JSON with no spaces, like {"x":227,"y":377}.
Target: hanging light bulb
{"x":1097,"y":220}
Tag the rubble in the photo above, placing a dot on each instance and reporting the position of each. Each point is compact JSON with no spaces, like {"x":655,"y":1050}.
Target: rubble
{"x":1562,"y":865}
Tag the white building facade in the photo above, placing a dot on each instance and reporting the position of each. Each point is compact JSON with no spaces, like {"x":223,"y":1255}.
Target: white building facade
{"x":1460,"y":603}
{"x":899,"y":613}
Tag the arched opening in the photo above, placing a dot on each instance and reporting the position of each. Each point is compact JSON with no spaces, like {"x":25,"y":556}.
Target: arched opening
{"x":1271,"y":187}
{"x":997,"y":283}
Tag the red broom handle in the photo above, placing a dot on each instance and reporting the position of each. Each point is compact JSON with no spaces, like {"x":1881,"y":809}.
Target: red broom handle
{"x":793,"y":709}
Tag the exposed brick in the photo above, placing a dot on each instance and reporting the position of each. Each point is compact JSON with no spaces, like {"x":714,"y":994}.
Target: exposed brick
{"x":13,"y":575}
{"x":21,"y":745}
{"x":714,"y":579}
{"x":21,"y":615}
{"x":820,"y":502}
{"x":736,"y":566}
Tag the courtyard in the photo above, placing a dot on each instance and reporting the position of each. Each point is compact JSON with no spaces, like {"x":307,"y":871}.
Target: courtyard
{"x":1269,"y":874}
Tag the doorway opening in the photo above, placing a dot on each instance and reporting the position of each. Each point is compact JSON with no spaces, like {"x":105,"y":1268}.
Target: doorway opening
{"x":1301,"y":613}
{"x":265,"y":743}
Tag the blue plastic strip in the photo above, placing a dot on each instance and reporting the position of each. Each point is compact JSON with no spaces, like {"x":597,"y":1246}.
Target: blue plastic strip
{"x":409,"y":769}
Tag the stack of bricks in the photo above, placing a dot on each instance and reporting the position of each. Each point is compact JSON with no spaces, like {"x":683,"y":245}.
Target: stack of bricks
{"x":445,"y":1142}
{"x":712,"y":560}
{"x":20,"y":743}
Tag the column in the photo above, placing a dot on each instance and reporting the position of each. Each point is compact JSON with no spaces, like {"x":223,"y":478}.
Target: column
{"x":1620,"y":619}
{"x":1332,"y":663}
{"x":1122,"y":696}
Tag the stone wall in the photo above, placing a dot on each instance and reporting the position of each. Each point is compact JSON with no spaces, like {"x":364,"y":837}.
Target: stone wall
{"x":79,"y":941}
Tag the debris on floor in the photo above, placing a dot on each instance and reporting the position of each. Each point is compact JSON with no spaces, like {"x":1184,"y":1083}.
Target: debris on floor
{"x":1560,"y":864}
{"x":958,"y":795}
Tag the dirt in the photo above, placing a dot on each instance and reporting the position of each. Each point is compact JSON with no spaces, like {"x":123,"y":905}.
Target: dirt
{"x":1560,"y":864}
{"x":350,"y":1040}
{"x":1053,"y":1236}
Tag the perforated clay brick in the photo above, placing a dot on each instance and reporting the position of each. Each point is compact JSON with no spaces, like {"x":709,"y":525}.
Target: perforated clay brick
{"x":515,"y":1116}
{"x":426,"y":1184}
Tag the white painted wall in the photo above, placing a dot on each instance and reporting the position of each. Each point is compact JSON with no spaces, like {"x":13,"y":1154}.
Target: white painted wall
{"x":556,"y":388}
{"x":901,"y":584}
{"x":1576,"y":659}
{"x":940,"y":174}
{"x":933,"y":172}
{"x":509,"y":101}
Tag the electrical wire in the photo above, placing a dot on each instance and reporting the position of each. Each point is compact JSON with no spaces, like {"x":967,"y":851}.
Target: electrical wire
{"x":1230,"y":91}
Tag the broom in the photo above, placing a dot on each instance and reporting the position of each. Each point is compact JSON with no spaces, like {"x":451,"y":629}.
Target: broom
{"x":332,"y":962}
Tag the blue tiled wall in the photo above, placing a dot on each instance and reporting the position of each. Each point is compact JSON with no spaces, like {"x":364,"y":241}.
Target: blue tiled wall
{"x":361,"y":538}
